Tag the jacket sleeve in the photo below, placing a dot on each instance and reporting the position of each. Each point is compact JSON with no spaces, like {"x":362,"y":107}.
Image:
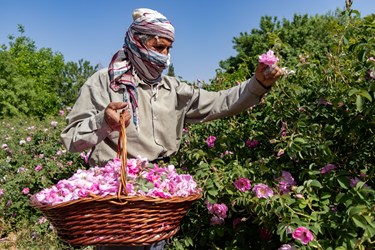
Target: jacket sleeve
{"x":207,"y":106}
{"x":86,"y":126}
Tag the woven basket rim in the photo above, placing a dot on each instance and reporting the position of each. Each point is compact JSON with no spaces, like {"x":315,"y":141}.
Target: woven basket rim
{"x":123,"y":199}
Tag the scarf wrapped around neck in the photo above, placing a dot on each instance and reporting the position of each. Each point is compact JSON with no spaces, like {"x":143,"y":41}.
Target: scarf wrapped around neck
{"x":134,"y":58}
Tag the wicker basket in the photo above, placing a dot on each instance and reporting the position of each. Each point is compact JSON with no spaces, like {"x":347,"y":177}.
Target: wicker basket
{"x":118,"y":219}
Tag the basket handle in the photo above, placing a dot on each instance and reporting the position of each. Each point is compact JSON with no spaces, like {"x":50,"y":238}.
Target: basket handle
{"x":122,"y":154}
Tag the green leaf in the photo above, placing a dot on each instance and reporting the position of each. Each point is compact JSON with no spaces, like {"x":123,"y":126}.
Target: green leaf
{"x":314,"y":244}
{"x":371,"y":231}
{"x":359,"y":221}
{"x":179,"y":245}
{"x":353,"y":91}
{"x":340,"y":248}
{"x":359,"y":103}
{"x":356,"y":12}
{"x":325,"y":195}
{"x":370,"y":220}
{"x":213,"y":192}
{"x":345,"y":41}
{"x":344,"y":182}
{"x":313,"y":183}
{"x":357,"y":210}
{"x":365,"y":94}
{"x":150,"y":185}
{"x":300,"y":140}
{"x":299,"y":189}
{"x":188,"y":241}
{"x":302,"y":204}
{"x":281,"y":230}
{"x":314,"y":216}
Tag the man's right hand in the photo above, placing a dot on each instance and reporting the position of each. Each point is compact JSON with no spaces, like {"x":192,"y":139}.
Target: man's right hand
{"x":112,"y":116}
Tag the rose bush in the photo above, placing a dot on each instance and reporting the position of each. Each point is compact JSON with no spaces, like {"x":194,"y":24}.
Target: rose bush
{"x":32,"y":157}
{"x":312,"y":166}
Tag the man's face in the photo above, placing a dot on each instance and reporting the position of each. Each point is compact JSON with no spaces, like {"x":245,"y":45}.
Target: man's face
{"x":159,"y":44}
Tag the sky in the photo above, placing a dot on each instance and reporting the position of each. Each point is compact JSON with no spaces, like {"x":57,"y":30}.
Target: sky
{"x":94,"y":30}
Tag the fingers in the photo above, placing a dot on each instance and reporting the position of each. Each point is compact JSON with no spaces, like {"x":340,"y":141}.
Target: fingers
{"x":262,"y":66}
{"x":127,"y":117}
{"x":267,"y":75}
{"x":276,"y":73}
{"x":117,"y":105}
{"x":112,"y":117}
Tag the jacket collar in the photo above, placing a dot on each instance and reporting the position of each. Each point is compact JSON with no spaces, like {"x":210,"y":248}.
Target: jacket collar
{"x":161,"y":83}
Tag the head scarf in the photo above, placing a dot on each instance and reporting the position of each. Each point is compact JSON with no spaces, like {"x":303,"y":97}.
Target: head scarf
{"x":134,"y":57}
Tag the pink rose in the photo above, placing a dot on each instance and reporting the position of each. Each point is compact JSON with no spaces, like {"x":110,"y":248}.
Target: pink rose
{"x":287,"y":247}
{"x":209,"y":207}
{"x":211,"y":141}
{"x":236,"y":222}
{"x":327,"y":168}
{"x":242,"y":184}
{"x":286,"y":181}
{"x":185,"y":185}
{"x":26,"y":190}
{"x":281,"y":152}
{"x":262,"y":191}
{"x":216,"y":221}
{"x":220,"y":210}
{"x":303,"y":234}
{"x":299,"y":196}
{"x":268,"y":58}
{"x":38,"y":168}
{"x":251,"y":143}
{"x":133,"y":167}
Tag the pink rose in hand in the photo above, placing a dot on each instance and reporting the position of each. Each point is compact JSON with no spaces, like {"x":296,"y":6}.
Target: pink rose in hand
{"x":268,"y":58}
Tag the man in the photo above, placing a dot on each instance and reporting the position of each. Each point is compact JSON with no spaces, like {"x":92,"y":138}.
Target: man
{"x":157,"y":106}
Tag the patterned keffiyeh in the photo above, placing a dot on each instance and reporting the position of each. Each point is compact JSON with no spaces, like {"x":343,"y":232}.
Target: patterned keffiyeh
{"x":134,"y":57}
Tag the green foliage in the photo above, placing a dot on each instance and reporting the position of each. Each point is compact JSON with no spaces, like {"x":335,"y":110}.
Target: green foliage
{"x":322,"y":114}
{"x":37,"y":82}
{"x":29,"y":79}
{"x":75,"y":75}
{"x":171,"y":70}
{"x":27,"y":144}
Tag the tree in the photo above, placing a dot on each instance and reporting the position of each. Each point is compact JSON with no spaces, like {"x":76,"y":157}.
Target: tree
{"x":171,"y":70}
{"x":37,"y":82}
{"x":75,"y":75}
{"x":31,"y":88}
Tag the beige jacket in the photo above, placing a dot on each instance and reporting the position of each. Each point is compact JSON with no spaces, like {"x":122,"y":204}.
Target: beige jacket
{"x":163,"y":112}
